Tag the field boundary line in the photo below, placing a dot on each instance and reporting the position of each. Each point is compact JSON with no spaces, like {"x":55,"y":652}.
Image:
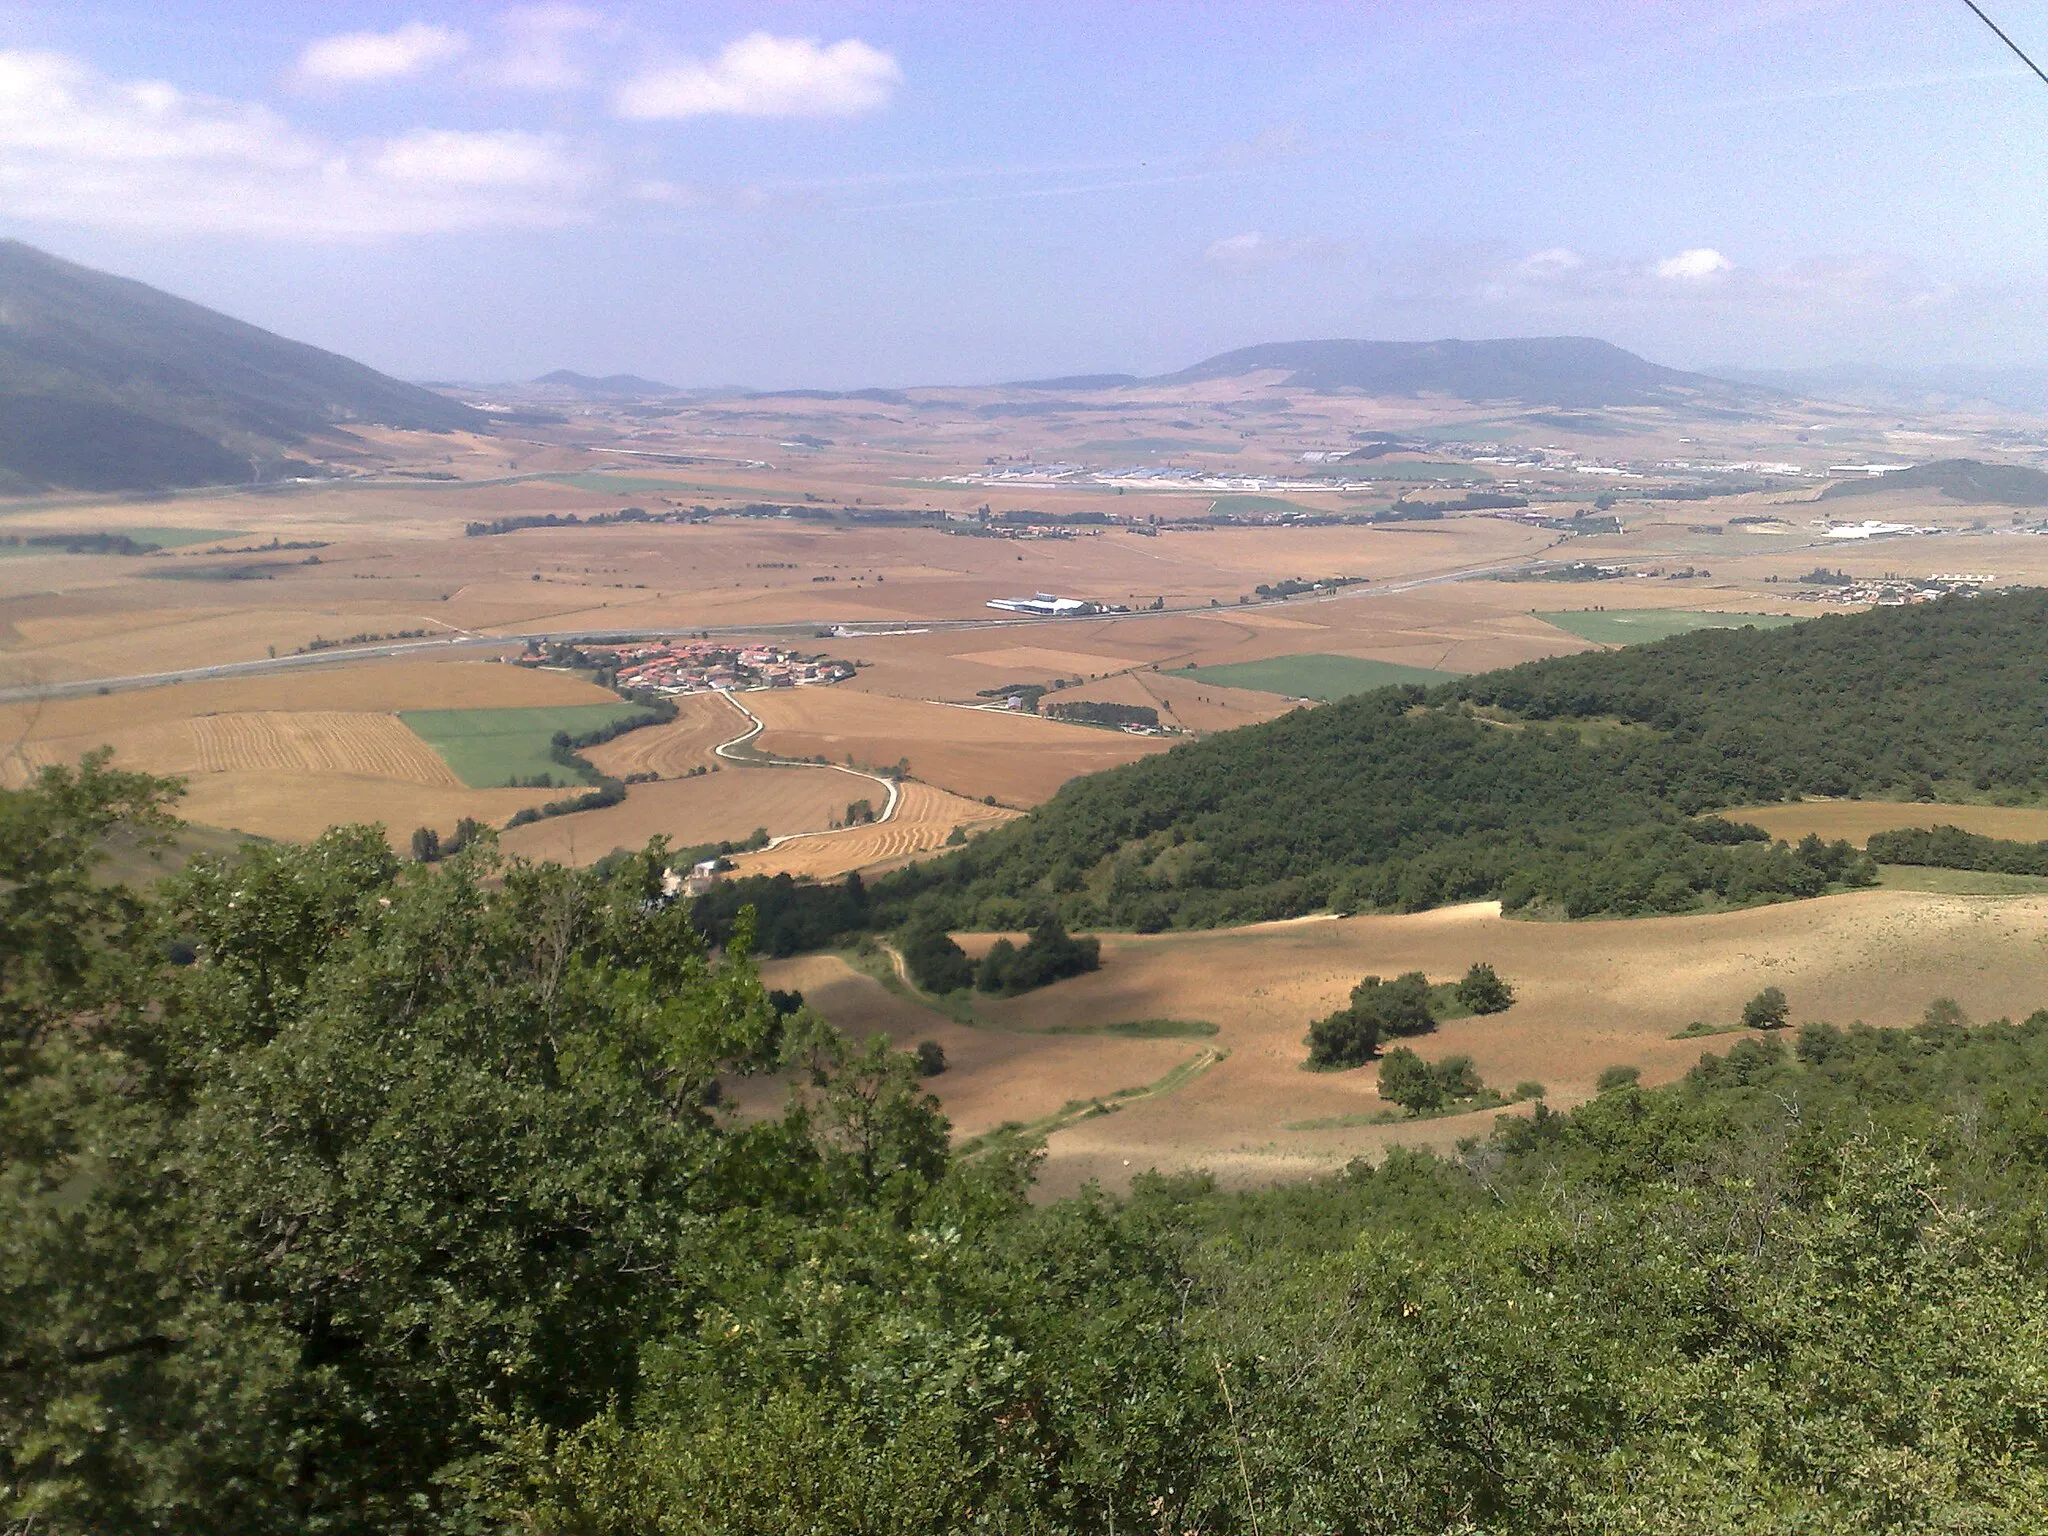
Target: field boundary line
{"x":755,"y":727}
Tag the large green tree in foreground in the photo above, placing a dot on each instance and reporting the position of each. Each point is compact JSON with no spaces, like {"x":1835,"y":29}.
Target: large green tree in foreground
{"x":343,"y":1197}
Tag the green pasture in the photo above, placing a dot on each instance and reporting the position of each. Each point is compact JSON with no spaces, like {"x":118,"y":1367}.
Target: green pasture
{"x":1958,"y":882}
{"x":1634,"y":626}
{"x":1240,"y":506}
{"x":489,"y":748}
{"x":1313,"y":676}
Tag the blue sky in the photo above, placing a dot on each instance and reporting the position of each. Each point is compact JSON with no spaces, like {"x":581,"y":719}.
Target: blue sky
{"x":849,"y":194}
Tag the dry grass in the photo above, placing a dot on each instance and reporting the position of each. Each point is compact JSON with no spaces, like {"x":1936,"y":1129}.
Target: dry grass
{"x":1592,"y":995}
{"x":991,"y":1077}
{"x":1857,"y":819}
{"x":925,"y":817}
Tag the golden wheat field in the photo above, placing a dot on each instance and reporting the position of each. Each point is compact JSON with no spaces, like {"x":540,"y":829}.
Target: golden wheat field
{"x":702,"y":722}
{"x":925,"y":817}
{"x":1857,"y":819}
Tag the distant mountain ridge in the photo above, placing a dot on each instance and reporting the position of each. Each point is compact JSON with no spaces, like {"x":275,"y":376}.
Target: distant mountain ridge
{"x":1573,"y":371}
{"x":611,"y":385}
{"x":107,"y":384}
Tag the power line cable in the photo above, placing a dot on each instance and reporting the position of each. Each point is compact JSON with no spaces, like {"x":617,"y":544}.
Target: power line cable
{"x":2015,"y":47}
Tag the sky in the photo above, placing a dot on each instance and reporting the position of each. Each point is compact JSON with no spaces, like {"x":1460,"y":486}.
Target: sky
{"x":834,"y":195}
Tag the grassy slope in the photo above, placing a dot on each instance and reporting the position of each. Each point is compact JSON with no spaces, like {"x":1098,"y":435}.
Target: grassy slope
{"x":1315,"y":675}
{"x":1635,"y":626}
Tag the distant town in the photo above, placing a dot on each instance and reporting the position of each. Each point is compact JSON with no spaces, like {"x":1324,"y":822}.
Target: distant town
{"x":707,"y":666}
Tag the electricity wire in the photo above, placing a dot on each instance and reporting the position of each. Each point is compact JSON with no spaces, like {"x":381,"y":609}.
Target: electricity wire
{"x":2015,"y":47}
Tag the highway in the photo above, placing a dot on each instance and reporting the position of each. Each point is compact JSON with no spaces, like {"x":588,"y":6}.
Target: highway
{"x":853,"y":630}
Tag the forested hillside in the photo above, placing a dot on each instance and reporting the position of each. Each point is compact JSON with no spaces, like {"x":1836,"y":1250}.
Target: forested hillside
{"x":1574,"y":784}
{"x":345,"y":1197}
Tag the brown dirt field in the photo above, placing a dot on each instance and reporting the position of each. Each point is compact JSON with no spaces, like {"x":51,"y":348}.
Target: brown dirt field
{"x":991,"y":1076}
{"x":925,"y":817}
{"x":1034,"y":659}
{"x":1591,"y":995}
{"x":702,"y":721}
{"x":1020,"y":759}
{"x":1857,"y":819}
{"x":717,"y":807}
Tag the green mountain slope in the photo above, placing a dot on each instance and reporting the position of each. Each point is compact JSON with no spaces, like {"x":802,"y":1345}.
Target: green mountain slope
{"x":1575,"y":371}
{"x":108,"y":384}
{"x":1567,"y":784}
{"x":1965,"y":480}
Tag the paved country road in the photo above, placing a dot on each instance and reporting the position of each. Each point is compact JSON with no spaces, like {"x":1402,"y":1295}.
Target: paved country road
{"x":854,"y":630}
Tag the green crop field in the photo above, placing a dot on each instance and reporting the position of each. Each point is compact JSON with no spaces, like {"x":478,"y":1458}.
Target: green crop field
{"x":1958,"y":882}
{"x":489,"y":748}
{"x":1240,"y":506}
{"x":1633,"y":626}
{"x":1313,"y":676}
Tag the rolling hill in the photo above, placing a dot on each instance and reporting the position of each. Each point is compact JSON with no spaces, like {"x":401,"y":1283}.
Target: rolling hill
{"x":625,"y":386}
{"x":1400,"y":800}
{"x":1965,"y":480}
{"x":1574,"y":371}
{"x":107,"y":384}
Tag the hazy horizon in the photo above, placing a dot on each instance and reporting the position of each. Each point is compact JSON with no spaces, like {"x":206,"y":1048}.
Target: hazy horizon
{"x":853,"y":195}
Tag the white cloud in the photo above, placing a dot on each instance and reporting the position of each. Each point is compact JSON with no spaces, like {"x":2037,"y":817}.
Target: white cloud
{"x":539,"y":52}
{"x":440,"y":157}
{"x":1693,"y":266}
{"x":765,"y":76}
{"x":358,"y":58}
{"x":80,"y":148}
{"x":1254,"y":251}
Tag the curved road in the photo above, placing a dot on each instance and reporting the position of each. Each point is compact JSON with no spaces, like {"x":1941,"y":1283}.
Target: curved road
{"x":754,"y":728}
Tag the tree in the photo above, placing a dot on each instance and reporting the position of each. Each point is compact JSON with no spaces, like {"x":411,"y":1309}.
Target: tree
{"x":931,"y":1058}
{"x":1612,"y":1078}
{"x":426,"y":845}
{"x":1767,"y":1010}
{"x":1482,"y":991}
{"x":1406,"y":1080}
{"x":1346,"y":1038}
{"x":934,"y":961}
{"x":1399,"y":1007}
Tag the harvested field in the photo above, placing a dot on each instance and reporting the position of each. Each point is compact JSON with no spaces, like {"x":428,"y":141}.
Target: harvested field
{"x":1034,"y":659}
{"x":1857,"y":819}
{"x":271,"y":741}
{"x":991,"y":1076}
{"x":702,"y":721}
{"x":721,"y":807}
{"x":925,"y":817}
{"x":299,"y":807}
{"x":1592,"y":995}
{"x":1020,"y":759}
